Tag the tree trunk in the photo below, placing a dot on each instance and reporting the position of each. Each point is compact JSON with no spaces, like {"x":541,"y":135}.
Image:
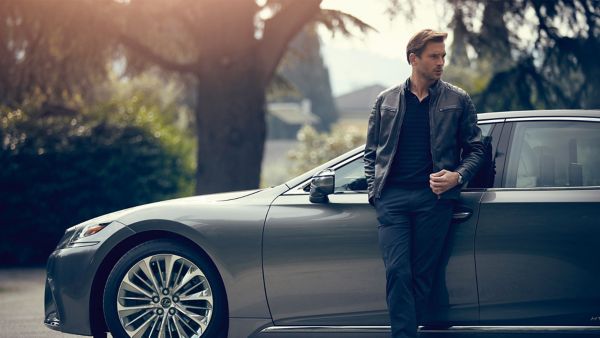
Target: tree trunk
{"x":233,"y":67}
{"x":231,"y":128}
{"x":459,"y":55}
{"x":494,"y":36}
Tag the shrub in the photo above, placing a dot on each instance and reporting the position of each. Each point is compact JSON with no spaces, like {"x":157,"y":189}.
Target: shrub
{"x":316,"y":148}
{"x":61,"y":167}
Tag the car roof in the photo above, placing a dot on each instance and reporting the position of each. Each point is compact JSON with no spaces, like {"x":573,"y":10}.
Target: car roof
{"x":539,"y":113}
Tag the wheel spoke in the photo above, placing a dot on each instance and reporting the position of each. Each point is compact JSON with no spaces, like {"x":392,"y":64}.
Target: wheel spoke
{"x":180,"y":330}
{"x":201,"y":322}
{"x":208,"y":307}
{"x":181,"y":320}
{"x":134,"y":298}
{"x":136,"y":318}
{"x":191,"y":273}
{"x":134,"y":288}
{"x":154,"y":326}
{"x":139,"y":275}
{"x":147,"y":269}
{"x":139,"y":332}
{"x":196,"y":288}
{"x":131,"y":309}
{"x":161,"y":274}
{"x":200,"y":295}
{"x":175,"y":281}
{"x":169,"y":328}
{"x":162,"y":327}
{"x":169,"y":263}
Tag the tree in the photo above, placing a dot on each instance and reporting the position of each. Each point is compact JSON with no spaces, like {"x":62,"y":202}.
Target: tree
{"x":314,"y":148}
{"x":304,"y":67}
{"x":555,"y":67}
{"x":232,"y":49}
{"x":53,"y":48}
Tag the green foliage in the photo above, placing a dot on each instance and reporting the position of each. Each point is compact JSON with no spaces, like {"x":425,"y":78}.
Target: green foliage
{"x":316,"y":148}
{"x":473,"y":81}
{"x":59,"y":167}
{"x":137,"y":103}
{"x":528,"y":54}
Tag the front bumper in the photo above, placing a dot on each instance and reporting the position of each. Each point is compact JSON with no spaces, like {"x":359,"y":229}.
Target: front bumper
{"x":70,"y":272}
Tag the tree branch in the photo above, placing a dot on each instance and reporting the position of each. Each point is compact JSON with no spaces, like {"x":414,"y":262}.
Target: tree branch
{"x":543,"y":26}
{"x":336,"y":20}
{"x":279,"y":31}
{"x":152,"y":56}
{"x":589,"y":18}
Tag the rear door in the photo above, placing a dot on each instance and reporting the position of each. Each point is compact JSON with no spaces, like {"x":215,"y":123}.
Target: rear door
{"x":538,"y":236}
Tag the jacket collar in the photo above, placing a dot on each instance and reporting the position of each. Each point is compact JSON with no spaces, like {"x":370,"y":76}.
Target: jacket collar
{"x":434,"y":89}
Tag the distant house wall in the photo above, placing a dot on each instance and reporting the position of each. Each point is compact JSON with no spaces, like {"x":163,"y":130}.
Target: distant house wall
{"x":354,"y":107}
{"x":284,"y":119}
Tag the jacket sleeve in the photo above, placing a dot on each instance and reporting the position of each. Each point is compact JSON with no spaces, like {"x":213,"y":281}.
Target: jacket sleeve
{"x":371,"y":146}
{"x":472,"y":156}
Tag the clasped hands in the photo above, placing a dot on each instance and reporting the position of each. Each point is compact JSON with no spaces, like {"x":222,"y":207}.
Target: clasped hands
{"x":443,"y":181}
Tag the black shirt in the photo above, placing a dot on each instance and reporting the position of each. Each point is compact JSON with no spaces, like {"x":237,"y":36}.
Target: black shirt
{"x":412,"y":162}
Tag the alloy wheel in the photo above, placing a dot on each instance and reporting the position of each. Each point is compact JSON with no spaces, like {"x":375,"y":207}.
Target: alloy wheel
{"x":164,"y":295}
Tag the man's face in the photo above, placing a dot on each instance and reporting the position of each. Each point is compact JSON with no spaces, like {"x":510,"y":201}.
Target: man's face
{"x":430,"y":65}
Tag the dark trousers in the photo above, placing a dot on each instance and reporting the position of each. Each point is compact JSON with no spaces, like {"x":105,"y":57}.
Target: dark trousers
{"x":413,"y":224}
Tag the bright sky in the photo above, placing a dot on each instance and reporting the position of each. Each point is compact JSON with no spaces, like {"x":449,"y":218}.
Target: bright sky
{"x":378,"y":57}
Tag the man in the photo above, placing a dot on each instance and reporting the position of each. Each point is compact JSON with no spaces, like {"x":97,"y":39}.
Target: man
{"x":422,"y":144}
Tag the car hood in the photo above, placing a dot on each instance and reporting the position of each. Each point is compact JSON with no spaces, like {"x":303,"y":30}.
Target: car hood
{"x":194,"y":200}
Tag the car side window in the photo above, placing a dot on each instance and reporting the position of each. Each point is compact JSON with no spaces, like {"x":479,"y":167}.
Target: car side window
{"x":351,"y":177}
{"x":484,"y":178}
{"x":554,"y":154}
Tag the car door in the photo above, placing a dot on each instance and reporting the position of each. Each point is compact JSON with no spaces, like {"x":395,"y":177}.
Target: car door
{"x":322,"y":263}
{"x":538,"y":235}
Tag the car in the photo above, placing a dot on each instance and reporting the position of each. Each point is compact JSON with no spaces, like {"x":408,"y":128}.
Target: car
{"x":301,"y":259}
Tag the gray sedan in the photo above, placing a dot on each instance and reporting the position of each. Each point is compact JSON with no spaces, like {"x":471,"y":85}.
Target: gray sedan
{"x":301,"y":259}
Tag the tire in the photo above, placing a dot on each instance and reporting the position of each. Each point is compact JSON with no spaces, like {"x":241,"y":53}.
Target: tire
{"x":163,"y":288}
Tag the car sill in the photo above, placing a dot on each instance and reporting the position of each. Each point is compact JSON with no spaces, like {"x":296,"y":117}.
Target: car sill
{"x":452,"y":329}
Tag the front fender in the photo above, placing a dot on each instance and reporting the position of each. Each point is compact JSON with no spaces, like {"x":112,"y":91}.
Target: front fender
{"x":231,"y":236}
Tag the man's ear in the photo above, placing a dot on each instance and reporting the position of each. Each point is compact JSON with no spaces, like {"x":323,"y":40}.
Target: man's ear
{"x":411,"y":58}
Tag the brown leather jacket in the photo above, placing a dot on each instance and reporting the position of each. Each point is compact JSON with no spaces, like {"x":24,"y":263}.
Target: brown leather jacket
{"x":455,"y":138}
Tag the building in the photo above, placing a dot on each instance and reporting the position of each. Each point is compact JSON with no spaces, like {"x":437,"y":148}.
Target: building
{"x":284,"y":119}
{"x":354,"y":107}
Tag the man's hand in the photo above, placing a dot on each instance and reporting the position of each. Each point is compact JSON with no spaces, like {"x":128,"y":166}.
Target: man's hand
{"x":443,"y":181}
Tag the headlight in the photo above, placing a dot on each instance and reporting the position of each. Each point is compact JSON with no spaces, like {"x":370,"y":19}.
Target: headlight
{"x":86,"y":230}
{"x":77,"y":236}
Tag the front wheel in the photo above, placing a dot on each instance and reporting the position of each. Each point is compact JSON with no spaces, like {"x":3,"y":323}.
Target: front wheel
{"x":162,"y":288}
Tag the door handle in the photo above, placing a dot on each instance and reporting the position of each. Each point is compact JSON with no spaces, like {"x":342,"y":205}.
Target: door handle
{"x":461,"y":215}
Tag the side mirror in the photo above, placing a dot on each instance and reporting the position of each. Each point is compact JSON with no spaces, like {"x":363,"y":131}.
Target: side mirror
{"x":321,"y":185}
